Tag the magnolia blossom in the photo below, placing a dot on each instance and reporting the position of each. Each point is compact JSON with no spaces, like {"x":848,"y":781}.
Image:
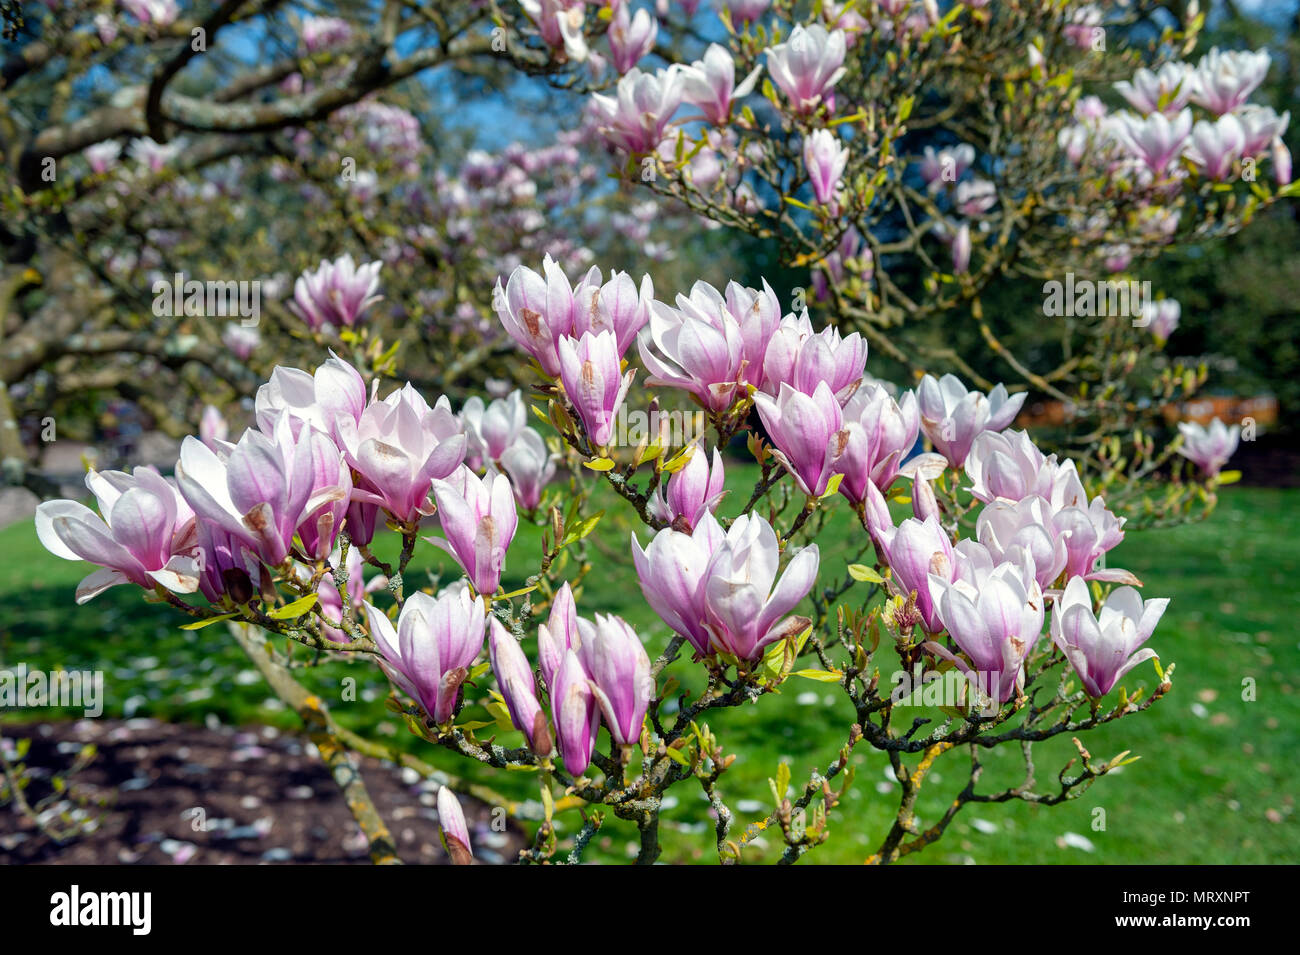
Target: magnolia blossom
{"x":265,"y":487}
{"x":1208,"y":448}
{"x":710,"y":84}
{"x":630,"y":37}
{"x":745,"y":612}
{"x":241,"y":340}
{"x":619,"y":669}
{"x":1261,"y":126}
{"x":825,"y":159}
{"x":455,"y":835}
{"x":994,"y":613}
{"x":807,"y":66}
{"x":517,"y":686}
{"x":746,"y":11}
{"x":399,"y":446}
{"x":915,"y":550}
{"x":558,"y":634}
{"x":1161,"y":317}
{"x":1156,"y":139}
{"x":594,"y":382}
{"x":1012,"y":530}
{"x":158,"y":13}
{"x":711,"y":344}
{"x":146,"y":535}
{"x":803,"y":359}
{"x":636,"y":118}
{"x":1166,"y":90}
{"x":807,"y":433}
{"x":530,"y":465}
{"x":435,"y":643}
{"x":537,"y":311}
{"x":479,"y":520}
{"x":944,"y":167}
{"x":337,"y":293}
{"x":575,"y":712}
{"x":1089,"y":533}
{"x":492,"y":429}
{"x":961,"y":249}
{"x":881,"y":431}
{"x":1216,"y":146}
{"x":952,"y":417}
{"x":619,"y":306}
{"x":335,"y":391}
{"x":693,"y":491}
{"x":1102,"y":647}
{"x":103,"y":156}
{"x":672,"y":572}
{"x":560,"y":24}
{"x":322,"y":33}
{"x":1224,"y":80}
{"x":1008,"y":465}
{"x":213,"y":428}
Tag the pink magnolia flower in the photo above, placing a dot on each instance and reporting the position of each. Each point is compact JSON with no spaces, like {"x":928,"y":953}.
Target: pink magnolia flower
{"x":630,"y":37}
{"x":619,"y":669}
{"x":517,"y":686}
{"x":961,"y":249}
{"x":1156,"y":139}
{"x":636,"y":118}
{"x":158,"y":13}
{"x":672,"y":571}
{"x":593,"y":380}
{"x":1008,"y":465}
{"x":146,"y":535}
{"x":479,"y":520}
{"x":1224,"y":80}
{"x":493,"y":428}
{"x":241,"y":340}
{"x":399,"y":446}
{"x":455,"y":835}
{"x":264,"y":488}
{"x":915,"y":550}
{"x":1161,"y":317}
{"x":943,"y":168}
{"x":1208,"y":448}
{"x":618,"y":306}
{"x":1010,"y":530}
{"x":319,"y":400}
{"x":1089,"y":533}
{"x":213,"y":428}
{"x":994,"y":614}
{"x":1261,"y":125}
{"x":575,"y":712}
{"x":322,"y":33}
{"x":710,"y":84}
{"x":692,"y":492}
{"x":807,"y":432}
{"x":1215,"y":147}
{"x":952,"y":417}
{"x":803,"y":359}
{"x":1281,"y":162}
{"x":745,"y":612}
{"x":807,"y":66}
{"x":103,"y":156}
{"x":560,"y":24}
{"x":537,"y":312}
{"x":436,"y":641}
{"x":558,"y":634}
{"x":825,"y":159}
{"x":711,"y":344}
{"x":1166,"y":90}
{"x":881,"y":431}
{"x":530,"y":465}
{"x":337,"y":293}
{"x":746,"y":11}
{"x":1102,"y":647}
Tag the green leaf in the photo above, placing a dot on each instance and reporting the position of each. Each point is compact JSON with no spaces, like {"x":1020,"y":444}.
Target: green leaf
{"x":200,"y":624}
{"x":295,"y":609}
{"x":821,"y":676}
{"x":599,"y":464}
{"x":1229,"y":477}
{"x":865,"y":574}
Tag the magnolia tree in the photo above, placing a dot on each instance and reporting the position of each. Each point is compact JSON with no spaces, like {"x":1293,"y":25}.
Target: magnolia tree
{"x":994,"y":603}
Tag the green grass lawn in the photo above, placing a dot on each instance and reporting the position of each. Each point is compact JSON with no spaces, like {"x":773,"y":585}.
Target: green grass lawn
{"x":1216,"y":781}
